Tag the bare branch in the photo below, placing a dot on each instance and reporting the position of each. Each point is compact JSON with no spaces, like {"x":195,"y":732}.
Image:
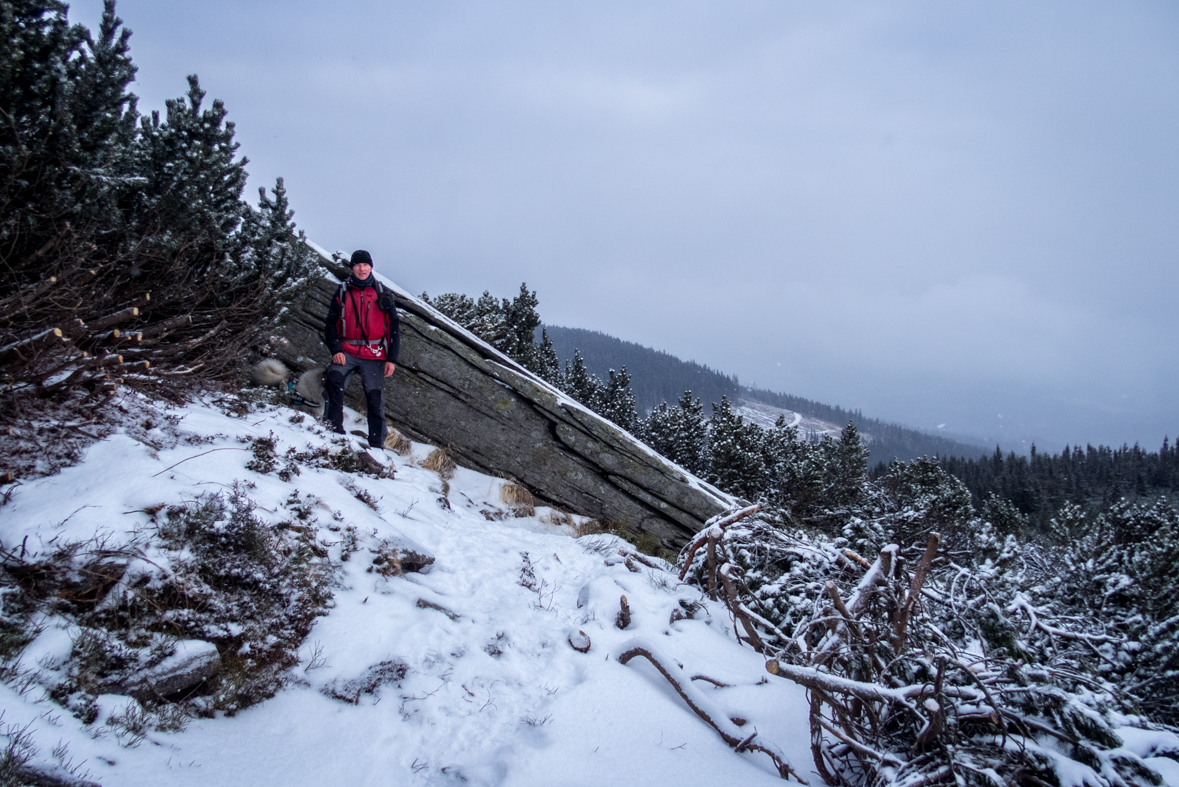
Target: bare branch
{"x":717,"y":524}
{"x":906,"y":610}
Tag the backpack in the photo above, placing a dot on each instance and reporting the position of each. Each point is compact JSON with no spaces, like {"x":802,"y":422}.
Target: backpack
{"x":382,"y":292}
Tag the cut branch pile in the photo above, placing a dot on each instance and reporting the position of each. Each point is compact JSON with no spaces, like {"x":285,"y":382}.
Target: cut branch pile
{"x":95,"y":322}
{"x":910,"y":680}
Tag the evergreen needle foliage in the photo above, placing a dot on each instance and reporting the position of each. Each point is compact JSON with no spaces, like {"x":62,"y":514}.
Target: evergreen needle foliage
{"x":126,"y":250}
{"x":1039,"y":486}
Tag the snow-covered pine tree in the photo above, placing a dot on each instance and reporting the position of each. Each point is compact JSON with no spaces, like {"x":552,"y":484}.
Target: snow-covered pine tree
{"x":618,"y":402}
{"x":65,"y":141}
{"x":193,"y":186}
{"x":545,"y":362}
{"x":1121,"y":571}
{"x":520,"y":323}
{"x":123,"y":243}
{"x":656,"y":430}
{"x":679,"y":433}
{"x":795,"y":472}
{"x":583,"y":386}
{"x":510,"y":326}
{"x":735,"y":457}
{"x":458,"y":307}
{"x":919,"y":497}
{"x":847,"y":468}
{"x":1001,"y":513}
{"x":274,"y":248}
{"x":689,"y":439}
{"x":489,"y":322}
{"x":105,"y":118}
{"x":1069,"y":525}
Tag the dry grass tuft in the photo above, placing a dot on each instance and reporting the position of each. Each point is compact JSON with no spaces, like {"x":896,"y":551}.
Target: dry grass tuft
{"x":596,"y":527}
{"x":440,"y":462}
{"x":517,"y":498}
{"x":396,"y":442}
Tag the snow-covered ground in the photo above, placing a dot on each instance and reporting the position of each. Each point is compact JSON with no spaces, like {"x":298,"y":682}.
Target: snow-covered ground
{"x":493,"y":692}
{"x":464,"y":674}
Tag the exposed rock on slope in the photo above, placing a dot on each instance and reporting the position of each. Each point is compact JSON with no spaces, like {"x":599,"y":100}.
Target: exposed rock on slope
{"x":453,"y":390}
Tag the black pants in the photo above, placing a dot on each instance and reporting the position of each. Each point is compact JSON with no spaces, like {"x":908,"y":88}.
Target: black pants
{"x":372,"y":374}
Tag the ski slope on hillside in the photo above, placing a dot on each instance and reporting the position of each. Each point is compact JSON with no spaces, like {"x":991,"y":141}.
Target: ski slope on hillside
{"x":766,"y":416}
{"x":491,"y":692}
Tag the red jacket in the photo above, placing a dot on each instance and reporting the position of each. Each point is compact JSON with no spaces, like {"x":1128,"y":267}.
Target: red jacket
{"x":357,"y":325}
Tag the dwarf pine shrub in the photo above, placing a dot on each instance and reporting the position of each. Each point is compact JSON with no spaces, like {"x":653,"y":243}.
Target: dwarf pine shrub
{"x":217,"y":573}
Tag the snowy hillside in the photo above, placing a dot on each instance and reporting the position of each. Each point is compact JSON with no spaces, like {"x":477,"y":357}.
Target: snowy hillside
{"x":462,"y":674}
{"x":766,"y":415}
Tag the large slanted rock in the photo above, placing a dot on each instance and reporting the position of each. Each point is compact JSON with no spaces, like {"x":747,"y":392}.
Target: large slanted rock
{"x":452,"y":389}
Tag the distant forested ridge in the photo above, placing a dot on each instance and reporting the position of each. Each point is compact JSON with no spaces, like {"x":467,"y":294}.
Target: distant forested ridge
{"x":1041,"y":485}
{"x":657,"y":377}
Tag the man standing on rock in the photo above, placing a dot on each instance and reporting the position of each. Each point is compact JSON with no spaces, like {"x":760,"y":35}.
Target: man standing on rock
{"x":363,"y":335}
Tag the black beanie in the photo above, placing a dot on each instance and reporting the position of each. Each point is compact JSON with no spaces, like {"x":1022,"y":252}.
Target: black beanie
{"x":361,"y":256}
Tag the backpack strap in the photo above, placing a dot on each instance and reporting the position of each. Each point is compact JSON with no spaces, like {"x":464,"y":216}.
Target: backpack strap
{"x":382,"y":291}
{"x":341,"y":293}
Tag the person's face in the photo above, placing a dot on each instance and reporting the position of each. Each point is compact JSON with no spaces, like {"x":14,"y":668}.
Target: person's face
{"x":361,"y":270}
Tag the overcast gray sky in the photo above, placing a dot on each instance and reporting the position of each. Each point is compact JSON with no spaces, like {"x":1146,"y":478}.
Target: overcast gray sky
{"x":940,"y":213}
